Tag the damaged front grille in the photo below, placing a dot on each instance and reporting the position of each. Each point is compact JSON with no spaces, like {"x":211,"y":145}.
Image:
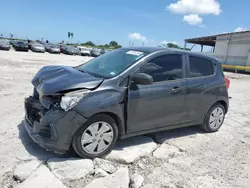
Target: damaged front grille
{"x":34,"y":110}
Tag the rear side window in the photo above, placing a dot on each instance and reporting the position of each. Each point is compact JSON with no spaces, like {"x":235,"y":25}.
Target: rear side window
{"x":200,"y":67}
{"x":163,"y":68}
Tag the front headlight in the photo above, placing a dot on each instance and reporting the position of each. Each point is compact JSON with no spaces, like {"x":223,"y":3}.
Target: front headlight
{"x":69,"y":100}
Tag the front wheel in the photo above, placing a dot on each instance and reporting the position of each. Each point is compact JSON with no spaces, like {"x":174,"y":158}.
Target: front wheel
{"x":214,"y":118}
{"x":96,"y":137}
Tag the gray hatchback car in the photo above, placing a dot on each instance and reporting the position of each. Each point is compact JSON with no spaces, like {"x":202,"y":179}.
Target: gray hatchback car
{"x":124,"y":93}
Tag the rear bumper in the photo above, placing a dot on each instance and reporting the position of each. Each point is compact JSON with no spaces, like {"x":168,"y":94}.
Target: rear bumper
{"x":54,"y":129}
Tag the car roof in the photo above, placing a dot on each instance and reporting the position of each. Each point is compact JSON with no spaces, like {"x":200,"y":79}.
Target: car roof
{"x":160,"y":49}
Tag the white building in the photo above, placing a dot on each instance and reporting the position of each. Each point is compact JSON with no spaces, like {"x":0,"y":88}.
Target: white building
{"x":229,"y":48}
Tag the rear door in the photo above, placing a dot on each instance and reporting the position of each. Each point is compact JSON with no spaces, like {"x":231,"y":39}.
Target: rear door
{"x":200,"y":79}
{"x":162,"y":103}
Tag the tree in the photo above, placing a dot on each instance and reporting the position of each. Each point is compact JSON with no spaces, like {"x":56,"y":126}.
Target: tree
{"x":69,"y":35}
{"x":172,"y":45}
{"x":113,"y":43}
{"x":72,"y":35}
{"x":89,"y":43}
{"x":1,"y":35}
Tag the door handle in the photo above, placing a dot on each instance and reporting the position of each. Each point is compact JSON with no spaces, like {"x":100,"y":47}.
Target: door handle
{"x":176,"y":89}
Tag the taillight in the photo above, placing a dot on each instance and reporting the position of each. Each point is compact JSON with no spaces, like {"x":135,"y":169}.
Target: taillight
{"x":227,"y":82}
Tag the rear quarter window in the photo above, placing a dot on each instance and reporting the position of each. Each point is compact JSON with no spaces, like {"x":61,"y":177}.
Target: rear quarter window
{"x":200,"y":67}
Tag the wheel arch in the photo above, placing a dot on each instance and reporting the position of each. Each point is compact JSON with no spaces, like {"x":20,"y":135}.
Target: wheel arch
{"x":117,"y":119}
{"x":223,"y":103}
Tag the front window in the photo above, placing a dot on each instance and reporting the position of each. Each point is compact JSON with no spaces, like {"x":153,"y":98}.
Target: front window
{"x":112,"y":64}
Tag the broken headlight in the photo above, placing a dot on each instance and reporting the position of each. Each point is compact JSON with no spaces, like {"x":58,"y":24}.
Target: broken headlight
{"x":69,"y":100}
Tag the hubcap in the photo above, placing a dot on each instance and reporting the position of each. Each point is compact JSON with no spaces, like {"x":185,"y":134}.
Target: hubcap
{"x":97,"y":137}
{"x":216,"y":118}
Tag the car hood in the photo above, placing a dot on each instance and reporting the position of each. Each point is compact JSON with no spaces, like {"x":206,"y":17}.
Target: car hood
{"x":54,"y":79}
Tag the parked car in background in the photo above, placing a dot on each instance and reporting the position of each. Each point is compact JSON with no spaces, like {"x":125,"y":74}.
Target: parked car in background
{"x":4,"y":44}
{"x":30,"y":42}
{"x":102,"y":51}
{"x":69,"y":50}
{"x":54,"y":49}
{"x":37,"y":47}
{"x":46,"y":46}
{"x":77,"y":51}
{"x":126,"y":92}
{"x":62,"y":48}
{"x":84,"y":51}
{"x":95,"y":52}
{"x":21,"y":46}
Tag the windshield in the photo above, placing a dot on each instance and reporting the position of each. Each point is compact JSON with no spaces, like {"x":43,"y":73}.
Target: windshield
{"x":113,"y":63}
{"x":20,"y":43}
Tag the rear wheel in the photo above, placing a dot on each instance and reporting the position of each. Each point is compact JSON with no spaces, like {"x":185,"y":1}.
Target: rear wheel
{"x":96,"y":138}
{"x":214,"y":118}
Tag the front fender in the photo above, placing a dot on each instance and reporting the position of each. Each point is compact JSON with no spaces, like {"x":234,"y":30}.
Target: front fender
{"x":104,"y":101}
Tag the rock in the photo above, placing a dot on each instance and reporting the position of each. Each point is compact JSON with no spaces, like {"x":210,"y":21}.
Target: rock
{"x":120,"y":179}
{"x":41,"y":178}
{"x":142,"y":166}
{"x":129,"y":150}
{"x":136,"y":180}
{"x":23,"y":170}
{"x":107,"y":166}
{"x":68,"y":169}
{"x":100,"y":173}
{"x":181,"y":161}
{"x":166,"y":151}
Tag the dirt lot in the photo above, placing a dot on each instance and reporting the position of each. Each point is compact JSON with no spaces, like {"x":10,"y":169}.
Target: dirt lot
{"x":185,"y":157}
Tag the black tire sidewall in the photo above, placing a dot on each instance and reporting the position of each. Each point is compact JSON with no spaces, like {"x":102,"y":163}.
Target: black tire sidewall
{"x":76,"y":142}
{"x":206,"y":123}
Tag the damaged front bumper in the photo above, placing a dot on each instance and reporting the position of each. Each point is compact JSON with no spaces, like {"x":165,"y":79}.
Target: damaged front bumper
{"x":52,"y":129}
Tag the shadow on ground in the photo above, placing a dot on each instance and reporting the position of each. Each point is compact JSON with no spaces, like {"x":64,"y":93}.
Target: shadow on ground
{"x":161,"y":137}
{"x":31,"y":147}
{"x":41,"y":154}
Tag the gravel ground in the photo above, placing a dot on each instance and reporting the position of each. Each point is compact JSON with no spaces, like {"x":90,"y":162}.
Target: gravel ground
{"x":185,"y":157}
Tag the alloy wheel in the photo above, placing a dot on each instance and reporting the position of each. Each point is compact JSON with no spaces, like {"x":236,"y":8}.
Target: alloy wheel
{"x":216,"y":118}
{"x":97,"y":137}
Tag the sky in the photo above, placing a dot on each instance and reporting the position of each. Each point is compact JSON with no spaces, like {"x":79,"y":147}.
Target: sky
{"x":148,"y":22}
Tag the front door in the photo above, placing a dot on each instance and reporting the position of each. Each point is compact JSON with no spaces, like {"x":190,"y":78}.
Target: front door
{"x":162,"y":103}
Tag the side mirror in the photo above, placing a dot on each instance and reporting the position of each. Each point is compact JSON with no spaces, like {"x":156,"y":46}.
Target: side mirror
{"x":142,"y":79}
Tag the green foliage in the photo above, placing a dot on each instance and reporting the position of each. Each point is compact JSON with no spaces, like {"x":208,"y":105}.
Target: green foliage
{"x":172,"y":45}
{"x":113,"y":43}
{"x":89,"y":43}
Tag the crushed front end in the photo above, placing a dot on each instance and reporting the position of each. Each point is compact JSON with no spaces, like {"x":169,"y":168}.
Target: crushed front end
{"x":48,"y":124}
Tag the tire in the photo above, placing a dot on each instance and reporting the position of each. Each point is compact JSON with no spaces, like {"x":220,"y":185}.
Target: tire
{"x":213,"y":126}
{"x":98,"y":146}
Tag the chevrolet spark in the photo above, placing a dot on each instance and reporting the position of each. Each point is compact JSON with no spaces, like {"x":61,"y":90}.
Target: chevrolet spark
{"x":124,"y":93}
